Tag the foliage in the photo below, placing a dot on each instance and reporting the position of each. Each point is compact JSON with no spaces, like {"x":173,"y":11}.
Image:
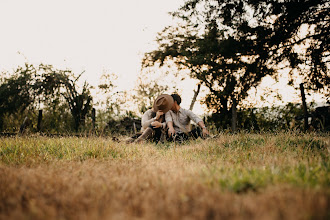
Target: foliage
{"x":231,"y":45}
{"x":147,"y":91}
{"x":293,"y":31}
{"x":113,"y":116}
{"x":57,"y":118}
{"x":109,"y":105}
{"x":17,"y":93}
{"x":125,"y":125}
{"x":33,"y":87}
{"x":228,"y":66}
{"x":79,"y":103}
{"x":275,"y":118}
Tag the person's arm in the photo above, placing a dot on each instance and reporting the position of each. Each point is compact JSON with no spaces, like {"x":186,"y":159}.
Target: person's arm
{"x":171,"y":130}
{"x":204,"y":129}
{"x":157,"y":124}
{"x":158,"y":120}
{"x":169,"y":122}
{"x":198,"y":121}
{"x":146,"y":119}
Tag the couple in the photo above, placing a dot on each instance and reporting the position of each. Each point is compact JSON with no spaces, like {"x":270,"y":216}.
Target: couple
{"x":167,"y":120}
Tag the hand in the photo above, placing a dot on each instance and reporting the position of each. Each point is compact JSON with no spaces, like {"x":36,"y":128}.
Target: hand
{"x":171,"y":132}
{"x":158,"y":114}
{"x":156,"y":124}
{"x":205,"y":132}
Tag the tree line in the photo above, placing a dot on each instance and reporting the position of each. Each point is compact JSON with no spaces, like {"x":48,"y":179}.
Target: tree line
{"x":228,"y":46}
{"x":231,"y":45}
{"x":66,"y":105}
{"x":31,"y":88}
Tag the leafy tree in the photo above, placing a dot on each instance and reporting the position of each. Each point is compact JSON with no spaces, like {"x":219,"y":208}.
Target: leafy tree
{"x":29,"y":87}
{"x":79,"y":103}
{"x":231,"y":45}
{"x":293,"y":33}
{"x":108,"y":104}
{"x":225,"y":65}
{"x":18,"y":92}
{"x":146,"y":91}
{"x":300,"y":35}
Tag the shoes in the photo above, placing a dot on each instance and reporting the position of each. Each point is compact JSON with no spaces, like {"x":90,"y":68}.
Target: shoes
{"x":130,"y":140}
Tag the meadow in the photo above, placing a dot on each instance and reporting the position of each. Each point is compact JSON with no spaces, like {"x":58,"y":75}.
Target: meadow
{"x":282,"y":175}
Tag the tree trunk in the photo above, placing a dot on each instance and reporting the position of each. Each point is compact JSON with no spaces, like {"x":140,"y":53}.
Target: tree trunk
{"x":24,"y":125}
{"x":304,"y":105}
{"x":39,"y":121}
{"x":93,"y":118}
{"x":196,"y":92}
{"x":234,"y":116}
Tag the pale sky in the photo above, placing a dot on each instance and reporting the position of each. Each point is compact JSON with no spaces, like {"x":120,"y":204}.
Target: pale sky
{"x":94,"y":36}
{"x":85,"y":35}
{"x":90,"y":35}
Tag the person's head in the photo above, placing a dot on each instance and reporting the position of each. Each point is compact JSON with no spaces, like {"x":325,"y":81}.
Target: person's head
{"x":177,"y":102}
{"x":163,"y":103}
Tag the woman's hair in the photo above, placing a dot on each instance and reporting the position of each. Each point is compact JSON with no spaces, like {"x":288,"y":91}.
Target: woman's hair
{"x":176,"y":98}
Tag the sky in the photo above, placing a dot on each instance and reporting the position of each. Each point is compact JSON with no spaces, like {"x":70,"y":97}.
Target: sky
{"x":94,"y":36}
{"x":85,"y":35}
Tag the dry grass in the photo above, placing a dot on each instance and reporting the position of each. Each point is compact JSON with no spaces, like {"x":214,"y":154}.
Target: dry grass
{"x":243,"y":176}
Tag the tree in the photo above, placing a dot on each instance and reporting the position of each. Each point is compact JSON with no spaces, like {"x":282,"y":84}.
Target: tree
{"x":30,"y":87}
{"x":294,"y":33}
{"x":111,"y":101}
{"x":147,"y":91}
{"x":227,"y":66}
{"x":300,"y":36}
{"x":19,"y":92}
{"x":16,"y":92}
{"x":231,"y":45}
{"x":80,"y":103}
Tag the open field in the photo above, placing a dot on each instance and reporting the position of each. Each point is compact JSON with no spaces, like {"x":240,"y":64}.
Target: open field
{"x":241,"y":176}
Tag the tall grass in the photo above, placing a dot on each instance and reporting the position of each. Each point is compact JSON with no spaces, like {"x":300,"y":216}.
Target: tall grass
{"x":257,"y":176}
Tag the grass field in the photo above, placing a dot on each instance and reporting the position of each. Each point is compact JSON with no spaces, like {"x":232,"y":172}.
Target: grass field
{"x":240,"y":176}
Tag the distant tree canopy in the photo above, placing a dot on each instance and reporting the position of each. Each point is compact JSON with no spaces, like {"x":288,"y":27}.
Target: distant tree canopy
{"x":231,"y":45}
{"x":17,"y":92}
{"x":146,"y":91}
{"x":30,"y":87}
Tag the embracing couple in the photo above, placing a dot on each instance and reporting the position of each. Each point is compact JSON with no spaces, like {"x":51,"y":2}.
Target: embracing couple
{"x":168,"y":121}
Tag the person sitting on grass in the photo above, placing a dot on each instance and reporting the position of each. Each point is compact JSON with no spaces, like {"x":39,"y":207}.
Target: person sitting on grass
{"x":153,"y":120}
{"x":178,"y":122}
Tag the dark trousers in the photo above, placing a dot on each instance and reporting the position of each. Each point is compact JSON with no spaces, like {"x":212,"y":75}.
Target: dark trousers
{"x":157,"y":134}
{"x":178,"y":137}
{"x":181,"y":137}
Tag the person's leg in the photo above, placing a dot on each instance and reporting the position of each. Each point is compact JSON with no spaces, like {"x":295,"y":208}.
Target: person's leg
{"x":151,"y":132}
{"x":145,"y":135}
{"x":196,"y":133}
{"x":168,"y":137}
{"x":133,"y":138}
{"x":181,"y":137}
{"x":157,"y":134}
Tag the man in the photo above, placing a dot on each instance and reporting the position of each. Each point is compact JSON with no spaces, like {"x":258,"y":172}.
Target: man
{"x":153,"y":120}
{"x":178,"y":122}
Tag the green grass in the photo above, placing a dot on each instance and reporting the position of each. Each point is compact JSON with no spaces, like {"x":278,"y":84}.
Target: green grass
{"x":238,"y":163}
{"x":238,"y":176}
